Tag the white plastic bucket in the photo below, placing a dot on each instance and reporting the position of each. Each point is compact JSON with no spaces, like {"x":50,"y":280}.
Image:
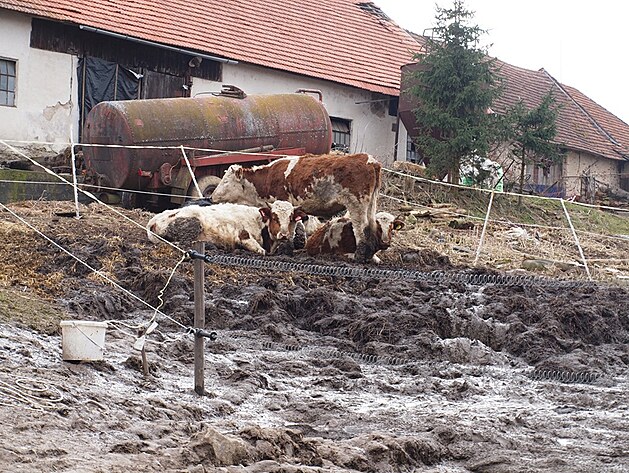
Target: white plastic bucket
{"x":82,"y":340}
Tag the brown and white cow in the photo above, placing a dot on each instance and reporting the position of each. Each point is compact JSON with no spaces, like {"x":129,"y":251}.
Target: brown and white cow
{"x":228,"y":226}
{"x":320,"y":185}
{"x":337,"y":236}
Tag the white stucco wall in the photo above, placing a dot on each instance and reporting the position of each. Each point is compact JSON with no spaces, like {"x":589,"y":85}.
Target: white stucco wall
{"x":371,"y":125}
{"x":46,"y":95}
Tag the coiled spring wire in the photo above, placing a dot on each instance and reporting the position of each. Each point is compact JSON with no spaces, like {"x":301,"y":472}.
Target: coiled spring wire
{"x":564,"y":376}
{"x":433,"y":277}
{"x":333,"y":353}
{"x":569,"y":377}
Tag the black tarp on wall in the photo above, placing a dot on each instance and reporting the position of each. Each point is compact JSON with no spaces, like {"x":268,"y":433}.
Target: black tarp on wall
{"x":101,"y":80}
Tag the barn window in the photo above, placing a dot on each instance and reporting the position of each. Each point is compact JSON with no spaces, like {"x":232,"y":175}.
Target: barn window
{"x":341,"y":134}
{"x":412,"y":154}
{"x":7,"y":82}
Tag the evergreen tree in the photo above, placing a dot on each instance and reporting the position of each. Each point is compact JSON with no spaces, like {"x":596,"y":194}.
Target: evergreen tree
{"x":455,"y":86}
{"x":533,"y":131}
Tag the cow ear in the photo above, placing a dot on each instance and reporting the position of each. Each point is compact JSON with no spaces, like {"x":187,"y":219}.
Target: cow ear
{"x":265,"y":212}
{"x":299,"y":214}
{"x":398,"y":224}
{"x":238,"y":171}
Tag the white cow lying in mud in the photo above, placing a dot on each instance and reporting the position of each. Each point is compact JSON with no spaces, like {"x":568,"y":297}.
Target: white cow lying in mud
{"x":337,"y":236}
{"x":228,"y":226}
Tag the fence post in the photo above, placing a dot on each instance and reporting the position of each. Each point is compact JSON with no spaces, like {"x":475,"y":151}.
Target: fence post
{"x":576,"y":239}
{"x":482,"y":235}
{"x":199,"y":319}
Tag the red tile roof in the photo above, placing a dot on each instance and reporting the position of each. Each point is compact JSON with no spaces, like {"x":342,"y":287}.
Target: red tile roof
{"x":346,"y":41}
{"x":582,"y":124}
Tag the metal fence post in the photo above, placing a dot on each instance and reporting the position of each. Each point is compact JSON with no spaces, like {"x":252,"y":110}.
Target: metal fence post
{"x":199,"y":319}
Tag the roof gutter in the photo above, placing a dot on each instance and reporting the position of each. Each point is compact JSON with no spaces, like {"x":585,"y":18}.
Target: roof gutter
{"x":157,"y":45}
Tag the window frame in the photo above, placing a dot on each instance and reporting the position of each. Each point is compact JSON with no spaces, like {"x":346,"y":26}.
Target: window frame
{"x":5,"y":91}
{"x":338,"y":123}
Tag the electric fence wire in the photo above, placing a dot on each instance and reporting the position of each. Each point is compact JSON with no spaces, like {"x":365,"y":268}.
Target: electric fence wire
{"x":223,"y":152}
{"x":514,"y":194}
{"x":154,"y":147}
{"x":86,"y":193}
{"x":100,"y":273}
{"x":95,"y":271}
{"x":505,"y":222}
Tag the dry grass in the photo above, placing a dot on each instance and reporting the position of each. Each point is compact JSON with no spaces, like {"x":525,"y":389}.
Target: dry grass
{"x":536,"y":231}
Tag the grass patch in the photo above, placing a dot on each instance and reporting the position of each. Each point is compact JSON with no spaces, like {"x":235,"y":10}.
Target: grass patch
{"x":28,"y":311}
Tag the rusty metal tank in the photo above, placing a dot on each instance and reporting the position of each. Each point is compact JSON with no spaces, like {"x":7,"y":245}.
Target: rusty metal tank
{"x":215,"y":122}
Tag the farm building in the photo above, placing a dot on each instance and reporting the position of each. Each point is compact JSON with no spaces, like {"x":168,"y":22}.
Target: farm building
{"x":595,"y":140}
{"x":62,"y":57}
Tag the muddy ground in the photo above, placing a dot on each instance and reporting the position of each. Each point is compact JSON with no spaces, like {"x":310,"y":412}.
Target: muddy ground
{"x":309,"y":373}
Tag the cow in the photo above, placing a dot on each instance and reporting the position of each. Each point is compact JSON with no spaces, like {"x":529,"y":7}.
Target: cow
{"x":227,"y":226}
{"x":337,"y":236}
{"x":319,"y":185}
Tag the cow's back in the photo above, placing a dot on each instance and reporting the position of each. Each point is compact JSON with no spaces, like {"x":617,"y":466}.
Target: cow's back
{"x":320,"y":185}
{"x":356,"y":173}
{"x":334,"y":237}
{"x":325,"y":185}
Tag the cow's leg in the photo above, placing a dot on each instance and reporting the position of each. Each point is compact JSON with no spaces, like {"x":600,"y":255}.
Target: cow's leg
{"x":365,"y":235}
{"x":299,"y":240}
{"x":250,"y":244}
{"x":367,"y":246}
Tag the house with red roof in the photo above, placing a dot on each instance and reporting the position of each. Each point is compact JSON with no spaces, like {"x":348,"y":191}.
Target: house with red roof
{"x":595,"y":140}
{"x":58,"y":58}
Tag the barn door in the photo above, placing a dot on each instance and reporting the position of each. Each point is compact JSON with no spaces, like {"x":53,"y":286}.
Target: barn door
{"x":157,"y":85}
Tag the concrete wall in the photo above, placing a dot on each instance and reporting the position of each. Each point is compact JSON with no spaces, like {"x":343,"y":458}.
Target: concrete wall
{"x":402,"y":139}
{"x":371,"y":125}
{"x":46,"y":92}
{"x":578,"y":163}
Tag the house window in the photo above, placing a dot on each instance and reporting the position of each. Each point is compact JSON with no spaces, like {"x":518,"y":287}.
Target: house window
{"x":7,"y":82}
{"x":341,"y":134}
{"x":412,"y":154}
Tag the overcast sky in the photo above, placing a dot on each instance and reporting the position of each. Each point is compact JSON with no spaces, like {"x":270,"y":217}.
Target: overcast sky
{"x":582,"y":43}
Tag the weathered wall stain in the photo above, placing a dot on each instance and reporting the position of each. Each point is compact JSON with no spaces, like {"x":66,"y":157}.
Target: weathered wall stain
{"x":50,"y":111}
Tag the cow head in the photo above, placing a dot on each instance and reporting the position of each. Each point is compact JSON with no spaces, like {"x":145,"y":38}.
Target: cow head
{"x":387,"y":224}
{"x":230,"y":189}
{"x":281,"y":218}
